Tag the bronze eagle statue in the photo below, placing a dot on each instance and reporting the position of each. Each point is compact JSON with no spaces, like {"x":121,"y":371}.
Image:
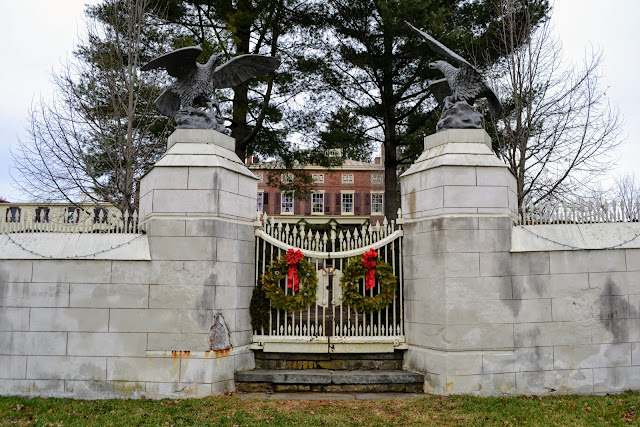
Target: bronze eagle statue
{"x":462,"y":84}
{"x":196,"y":82}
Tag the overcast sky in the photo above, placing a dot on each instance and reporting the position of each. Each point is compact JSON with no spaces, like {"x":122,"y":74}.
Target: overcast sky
{"x":38,"y":35}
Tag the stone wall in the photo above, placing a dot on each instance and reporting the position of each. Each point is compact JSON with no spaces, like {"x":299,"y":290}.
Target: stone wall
{"x":137,"y":321}
{"x":492,"y":308}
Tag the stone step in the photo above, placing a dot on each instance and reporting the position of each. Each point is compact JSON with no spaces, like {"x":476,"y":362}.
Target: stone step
{"x":332,"y":361}
{"x":327,"y":381}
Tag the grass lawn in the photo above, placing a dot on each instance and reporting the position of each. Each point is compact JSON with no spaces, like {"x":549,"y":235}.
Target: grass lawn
{"x":619,"y":409}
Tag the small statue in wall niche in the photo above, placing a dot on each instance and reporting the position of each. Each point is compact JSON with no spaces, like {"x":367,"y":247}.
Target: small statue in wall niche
{"x":189,"y":100}
{"x":459,"y":90}
{"x":219,"y":335}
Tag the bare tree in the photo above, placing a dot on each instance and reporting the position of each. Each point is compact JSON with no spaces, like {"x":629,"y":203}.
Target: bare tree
{"x":100,"y":132}
{"x":558,"y":132}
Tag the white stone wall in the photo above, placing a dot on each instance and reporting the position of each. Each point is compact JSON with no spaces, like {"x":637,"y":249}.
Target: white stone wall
{"x":493,"y":309}
{"x":137,"y":322}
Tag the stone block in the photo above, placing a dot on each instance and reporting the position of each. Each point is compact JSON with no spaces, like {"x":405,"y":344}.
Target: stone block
{"x":477,"y":288}
{"x":201,"y":321}
{"x":234,"y":250}
{"x":561,"y":382}
{"x":182,"y":248}
{"x":507,"y":264}
{"x":15,"y":271}
{"x":425,"y":311}
{"x":223,"y":387}
{"x":185,"y":201}
{"x":66,"y":368}
{"x":201,"y":136}
{"x":107,"y":344}
{"x":225,"y":297}
{"x":632,"y":257}
{"x":450,"y":223}
{"x":209,"y":370}
{"x":113,"y":295}
{"x":615,"y":331}
{"x":613,"y":307}
{"x":212,"y":179}
{"x":415,"y":359}
{"x":234,"y":206}
{"x":467,"y":363}
{"x":14,"y":367}
{"x":77,"y":271}
{"x":243,"y":361}
{"x":498,"y":311}
{"x":611,"y":380}
{"x":462,"y":265}
{"x":165,"y":179}
{"x":423,"y":266}
{"x":134,"y":272}
{"x":425,"y":335}
{"x":177,"y":390}
{"x":479,"y":336}
{"x":519,"y":360}
{"x":178,"y":342}
{"x":615,"y":283}
{"x":14,"y":319}
{"x":494,"y":176}
{"x":243,"y":296}
{"x":481,"y":385}
{"x":573,"y":309}
{"x":145,"y":320}
{"x":635,"y":354}
{"x":33,"y":343}
{"x":240,"y":338}
{"x":586,"y":261}
{"x":243,"y":320}
{"x":69,"y":319}
{"x":212,"y":228}
{"x":592,"y":356}
{"x":477,"y":240}
{"x":154,"y":369}
{"x":93,"y":389}
{"x":166,"y":227}
{"x":450,"y":175}
{"x":550,"y":286}
{"x":42,"y":388}
{"x":475,"y":197}
{"x":195,"y":273}
{"x":495,"y":223}
{"x":181,"y":296}
{"x":551,"y":333}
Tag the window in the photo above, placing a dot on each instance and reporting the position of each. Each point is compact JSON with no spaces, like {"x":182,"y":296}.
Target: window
{"x":100,"y":215}
{"x":317,"y":203}
{"x":347,"y":203}
{"x":42,"y":214}
{"x":260,"y":201}
{"x":318,"y":177}
{"x":286,"y":178}
{"x":377,"y":178}
{"x":376,"y":203}
{"x":72,"y":214}
{"x":287,"y":203}
{"x":13,"y":214}
{"x":347,"y":178}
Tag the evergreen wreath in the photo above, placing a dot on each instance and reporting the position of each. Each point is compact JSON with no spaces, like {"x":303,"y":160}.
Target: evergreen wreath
{"x":361,"y":267}
{"x":303,"y":288}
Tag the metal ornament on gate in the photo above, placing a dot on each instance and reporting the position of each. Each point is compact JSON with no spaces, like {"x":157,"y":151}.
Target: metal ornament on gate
{"x":329,"y":325}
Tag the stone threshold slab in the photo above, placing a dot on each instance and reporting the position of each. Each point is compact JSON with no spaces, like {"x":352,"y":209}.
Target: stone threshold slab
{"x":325,"y":376}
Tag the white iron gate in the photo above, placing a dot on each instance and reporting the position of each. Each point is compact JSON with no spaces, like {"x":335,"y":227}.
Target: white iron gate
{"x":328,"y":325}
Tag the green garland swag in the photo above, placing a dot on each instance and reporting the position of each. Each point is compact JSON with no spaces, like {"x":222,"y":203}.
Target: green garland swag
{"x":351,"y":292}
{"x":301,"y":300}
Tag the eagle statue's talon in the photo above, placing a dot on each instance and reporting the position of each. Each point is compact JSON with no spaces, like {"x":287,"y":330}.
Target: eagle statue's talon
{"x":195,"y":83}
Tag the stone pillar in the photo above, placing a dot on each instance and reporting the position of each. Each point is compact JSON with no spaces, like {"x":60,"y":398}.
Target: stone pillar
{"x":459,"y":200}
{"x":199,"y":203}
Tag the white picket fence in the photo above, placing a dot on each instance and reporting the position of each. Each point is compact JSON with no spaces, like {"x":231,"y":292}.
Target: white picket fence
{"x":68,"y":219}
{"x":580,"y":212}
{"x":328,"y":325}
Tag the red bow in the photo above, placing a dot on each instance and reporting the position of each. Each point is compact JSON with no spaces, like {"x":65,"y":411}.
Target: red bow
{"x":369,"y":262}
{"x":293,"y":257}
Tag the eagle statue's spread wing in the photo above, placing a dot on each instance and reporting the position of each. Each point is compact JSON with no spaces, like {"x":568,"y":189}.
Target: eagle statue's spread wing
{"x":242,"y":68}
{"x":438,"y":47}
{"x":178,"y":63}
